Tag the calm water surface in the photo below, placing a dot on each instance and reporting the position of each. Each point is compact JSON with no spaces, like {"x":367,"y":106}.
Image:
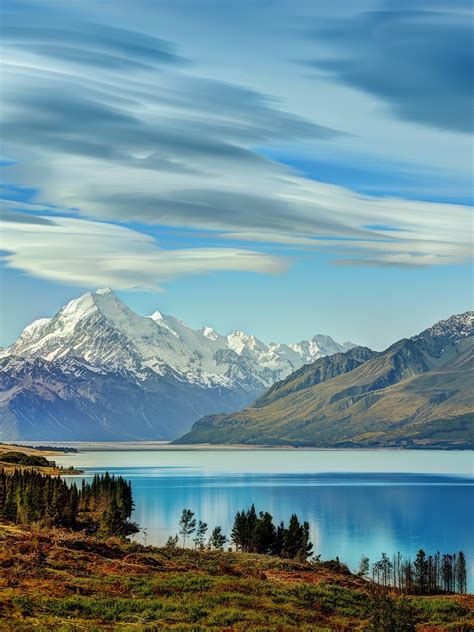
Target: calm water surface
{"x":357,"y":502}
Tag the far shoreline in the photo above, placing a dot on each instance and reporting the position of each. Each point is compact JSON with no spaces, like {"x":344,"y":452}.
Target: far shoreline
{"x":157,"y":446}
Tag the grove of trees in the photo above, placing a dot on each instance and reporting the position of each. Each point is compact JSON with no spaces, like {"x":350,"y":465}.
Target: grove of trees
{"x":105,"y":504}
{"x":426,"y":575}
{"x":251,"y":532}
{"x":256,"y":533}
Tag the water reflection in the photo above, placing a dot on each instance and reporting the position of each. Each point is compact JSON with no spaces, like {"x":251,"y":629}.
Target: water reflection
{"x":349,"y":514}
{"x":357,"y":502}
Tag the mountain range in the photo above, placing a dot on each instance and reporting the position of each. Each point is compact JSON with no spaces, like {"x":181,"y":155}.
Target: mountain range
{"x":97,"y":370}
{"x":416,"y":393}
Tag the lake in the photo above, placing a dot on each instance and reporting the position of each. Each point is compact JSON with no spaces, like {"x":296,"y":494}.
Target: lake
{"x":357,"y":502}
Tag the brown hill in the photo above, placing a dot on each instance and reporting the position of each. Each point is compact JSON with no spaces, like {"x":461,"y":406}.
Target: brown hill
{"x":416,"y":393}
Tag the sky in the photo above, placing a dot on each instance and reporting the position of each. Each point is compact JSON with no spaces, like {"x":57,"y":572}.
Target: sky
{"x":284,"y":167}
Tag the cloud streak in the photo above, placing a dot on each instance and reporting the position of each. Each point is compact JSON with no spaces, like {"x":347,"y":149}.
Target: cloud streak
{"x":420,"y":63}
{"x":116,"y":256}
{"x":117,"y":125}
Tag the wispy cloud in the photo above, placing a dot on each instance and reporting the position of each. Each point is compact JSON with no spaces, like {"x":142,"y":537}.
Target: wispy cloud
{"x":91,"y":254}
{"x":119,"y":126}
{"x":418,"y":62}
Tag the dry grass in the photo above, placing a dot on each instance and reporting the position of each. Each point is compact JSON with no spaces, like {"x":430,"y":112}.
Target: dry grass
{"x":52,"y":471}
{"x":59,"y":580}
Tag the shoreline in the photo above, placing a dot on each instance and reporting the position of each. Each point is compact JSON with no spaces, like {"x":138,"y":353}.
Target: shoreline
{"x":157,"y":446}
{"x":51,"y":470}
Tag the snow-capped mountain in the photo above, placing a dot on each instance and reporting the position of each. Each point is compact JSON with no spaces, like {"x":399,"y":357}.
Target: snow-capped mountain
{"x":99,"y":328}
{"x":205,"y":371}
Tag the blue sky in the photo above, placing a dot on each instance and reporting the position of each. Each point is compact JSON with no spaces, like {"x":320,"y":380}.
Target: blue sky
{"x":283,"y":167}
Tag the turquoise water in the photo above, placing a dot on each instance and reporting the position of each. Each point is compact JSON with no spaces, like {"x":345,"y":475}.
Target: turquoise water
{"x":357,"y":502}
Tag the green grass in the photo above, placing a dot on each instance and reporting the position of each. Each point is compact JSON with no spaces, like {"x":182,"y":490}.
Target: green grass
{"x":78,"y":583}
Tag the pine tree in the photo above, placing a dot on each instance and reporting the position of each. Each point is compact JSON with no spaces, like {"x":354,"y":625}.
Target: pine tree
{"x":296,"y":539}
{"x":421,"y":568}
{"x":172,"y":541}
{"x":447,"y":572}
{"x":461,"y":575}
{"x":200,"y":535}
{"x":264,"y":534}
{"x":306,"y":546}
{"x":187,"y":524}
{"x":279,"y":542}
{"x":3,"y":491}
{"x":363,"y":566}
{"x":217,"y":539}
{"x":239,"y":528}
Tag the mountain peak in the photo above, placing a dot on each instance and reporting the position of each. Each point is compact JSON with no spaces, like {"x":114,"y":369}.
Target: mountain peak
{"x":102,"y":300}
{"x":456,"y":327}
{"x":209,"y":332}
{"x":99,"y":328}
{"x":239,"y":341}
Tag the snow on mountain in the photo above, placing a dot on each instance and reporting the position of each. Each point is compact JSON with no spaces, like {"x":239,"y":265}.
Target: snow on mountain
{"x":455,"y":327}
{"x":318,"y":346}
{"x":99,"y":328}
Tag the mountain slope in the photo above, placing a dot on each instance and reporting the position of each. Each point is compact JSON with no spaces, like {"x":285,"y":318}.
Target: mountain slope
{"x":68,"y":399}
{"x":417,"y":392}
{"x":101,"y":329}
{"x":98,"y":370}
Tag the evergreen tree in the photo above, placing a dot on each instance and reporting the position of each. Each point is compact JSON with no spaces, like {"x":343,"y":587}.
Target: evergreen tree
{"x":421,"y":572}
{"x":28,"y":497}
{"x":217,"y":539}
{"x":447,"y":573}
{"x":306,"y":546}
{"x":296,"y":541}
{"x":238,"y":533}
{"x":243,"y":530}
{"x":461,"y":575}
{"x":3,"y":490}
{"x":172,"y":541}
{"x":363,"y":566}
{"x":264,"y":534}
{"x":187,"y":524}
{"x":200,"y":535}
{"x":279,"y":542}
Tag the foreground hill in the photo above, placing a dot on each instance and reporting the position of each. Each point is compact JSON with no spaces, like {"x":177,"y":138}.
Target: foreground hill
{"x":99,"y":371}
{"x":60,"y":580}
{"x":418,"y":392}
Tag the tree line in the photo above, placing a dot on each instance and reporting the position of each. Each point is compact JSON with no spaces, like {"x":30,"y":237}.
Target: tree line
{"x":256,"y":533}
{"x":49,"y":448}
{"x":251,"y":532}
{"x":19,"y":458}
{"x":104,"y":505}
{"x":426,"y":575}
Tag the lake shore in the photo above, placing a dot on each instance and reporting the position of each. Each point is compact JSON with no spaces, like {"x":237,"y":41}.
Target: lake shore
{"x":27,"y":449}
{"x":52,"y":470}
{"x":156,"y":446}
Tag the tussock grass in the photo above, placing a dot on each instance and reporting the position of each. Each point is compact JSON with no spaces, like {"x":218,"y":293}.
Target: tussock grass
{"x":63,"y":581}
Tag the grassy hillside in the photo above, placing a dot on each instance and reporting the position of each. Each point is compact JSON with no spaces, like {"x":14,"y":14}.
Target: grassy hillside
{"x":408,"y":395}
{"x":59,"y":580}
{"x":16,"y":457}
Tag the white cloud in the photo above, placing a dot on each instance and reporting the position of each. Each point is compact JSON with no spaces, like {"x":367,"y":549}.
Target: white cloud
{"x":134,"y":135}
{"x":92,"y":254}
